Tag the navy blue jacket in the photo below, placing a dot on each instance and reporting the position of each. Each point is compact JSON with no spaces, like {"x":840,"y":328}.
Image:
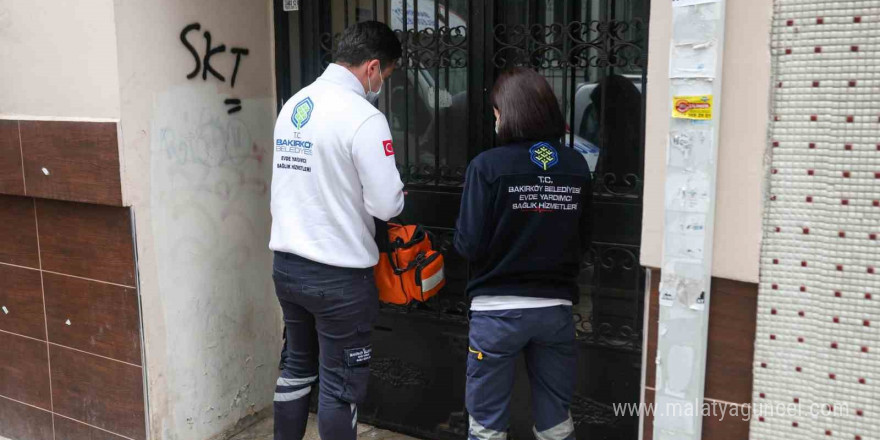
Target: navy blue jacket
{"x":524,"y":223}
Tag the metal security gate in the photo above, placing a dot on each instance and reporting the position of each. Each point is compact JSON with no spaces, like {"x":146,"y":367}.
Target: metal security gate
{"x":594,"y":53}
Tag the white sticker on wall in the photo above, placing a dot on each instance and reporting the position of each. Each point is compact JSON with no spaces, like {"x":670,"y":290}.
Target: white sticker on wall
{"x":681,"y":280}
{"x":693,"y":60}
{"x":679,"y":370}
{"x":696,"y":300}
{"x":685,"y":246}
{"x":681,"y":3}
{"x":695,"y":25}
{"x":689,"y":87}
{"x":668,"y":290}
{"x":673,"y":414}
{"x":686,"y":223}
{"x":690,"y":148}
{"x":687,"y":191}
{"x":667,"y":296}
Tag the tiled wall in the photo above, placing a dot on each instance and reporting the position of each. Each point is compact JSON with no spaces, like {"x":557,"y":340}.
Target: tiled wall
{"x":732,"y":318}
{"x":71,"y":364}
{"x":818,"y":337}
{"x":66,"y":160}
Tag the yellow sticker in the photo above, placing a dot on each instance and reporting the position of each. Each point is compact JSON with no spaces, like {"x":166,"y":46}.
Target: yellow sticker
{"x":692,"y":107}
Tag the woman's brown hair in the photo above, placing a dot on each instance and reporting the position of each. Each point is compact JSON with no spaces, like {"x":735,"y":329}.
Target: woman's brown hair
{"x":528,"y":107}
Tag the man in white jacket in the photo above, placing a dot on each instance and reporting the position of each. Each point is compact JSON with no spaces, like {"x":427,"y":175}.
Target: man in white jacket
{"x":333,"y":172}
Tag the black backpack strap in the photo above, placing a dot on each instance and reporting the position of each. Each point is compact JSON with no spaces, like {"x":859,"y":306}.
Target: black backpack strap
{"x":381,"y":235}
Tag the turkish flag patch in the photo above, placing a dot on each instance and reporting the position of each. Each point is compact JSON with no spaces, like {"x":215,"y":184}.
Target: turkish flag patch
{"x":388,"y":146}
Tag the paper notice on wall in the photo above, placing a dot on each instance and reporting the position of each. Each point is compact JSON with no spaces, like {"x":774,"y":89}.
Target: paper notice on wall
{"x":682,"y":281}
{"x":667,"y":296}
{"x":687,"y":246}
{"x":690,"y":149}
{"x":692,"y":107}
{"x":291,"y":5}
{"x":688,"y":192}
{"x":668,"y":289}
{"x":686,"y":223}
{"x":697,"y":300}
{"x":672,"y":418}
{"x":679,"y":370}
{"x":696,"y":25}
{"x":696,"y":60}
{"x":690,"y":87}
{"x":681,"y":3}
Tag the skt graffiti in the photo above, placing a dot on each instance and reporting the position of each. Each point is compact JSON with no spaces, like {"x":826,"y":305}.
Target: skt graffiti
{"x":203,"y":62}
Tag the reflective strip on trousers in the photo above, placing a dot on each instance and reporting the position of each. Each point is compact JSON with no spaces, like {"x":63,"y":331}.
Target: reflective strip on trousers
{"x":293,"y":395}
{"x":296,"y":381}
{"x":480,"y":432}
{"x":354,"y":415}
{"x":561,"y":431}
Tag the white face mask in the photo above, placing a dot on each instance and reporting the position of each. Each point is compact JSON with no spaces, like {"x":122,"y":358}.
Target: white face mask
{"x":373,"y":97}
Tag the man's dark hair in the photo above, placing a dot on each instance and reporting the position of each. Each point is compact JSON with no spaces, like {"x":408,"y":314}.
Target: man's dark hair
{"x":368,"y":40}
{"x":529,"y":110}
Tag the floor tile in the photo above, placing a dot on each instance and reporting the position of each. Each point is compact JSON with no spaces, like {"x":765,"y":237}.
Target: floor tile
{"x":263,"y":431}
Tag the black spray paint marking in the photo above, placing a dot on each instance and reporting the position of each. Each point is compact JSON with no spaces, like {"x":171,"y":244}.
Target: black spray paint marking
{"x":239,"y":52}
{"x":203,"y":64}
{"x":209,"y":52}
{"x":235,"y":102}
{"x":192,"y":50}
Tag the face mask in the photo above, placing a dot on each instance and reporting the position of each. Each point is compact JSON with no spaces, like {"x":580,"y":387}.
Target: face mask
{"x":373,"y":97}
{"x":497,"y":125}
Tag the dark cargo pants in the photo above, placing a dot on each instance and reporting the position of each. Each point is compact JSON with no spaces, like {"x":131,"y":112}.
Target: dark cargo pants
{"x":547,"y":337}
{"x":329,"y":313}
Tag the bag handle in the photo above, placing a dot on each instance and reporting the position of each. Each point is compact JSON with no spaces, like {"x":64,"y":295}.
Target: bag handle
{"x":419,"y":235}
{"x":412,"y":264}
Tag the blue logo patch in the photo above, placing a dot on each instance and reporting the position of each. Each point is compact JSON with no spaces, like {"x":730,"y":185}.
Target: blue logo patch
{"x":544,"y":155}
{"x":302,"y":112}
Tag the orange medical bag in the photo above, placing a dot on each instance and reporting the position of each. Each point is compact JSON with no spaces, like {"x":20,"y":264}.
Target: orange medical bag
{"x":409,"y":268}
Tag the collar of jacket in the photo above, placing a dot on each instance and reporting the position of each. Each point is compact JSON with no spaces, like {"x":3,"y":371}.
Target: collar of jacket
{"x":528,"y":144}
{"x":343,"y":77}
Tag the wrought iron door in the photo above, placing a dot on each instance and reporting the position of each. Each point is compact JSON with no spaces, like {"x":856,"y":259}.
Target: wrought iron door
{"x":594,"y":54}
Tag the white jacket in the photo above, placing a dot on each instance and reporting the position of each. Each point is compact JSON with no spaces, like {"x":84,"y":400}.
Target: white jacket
{"x":333,"y":171}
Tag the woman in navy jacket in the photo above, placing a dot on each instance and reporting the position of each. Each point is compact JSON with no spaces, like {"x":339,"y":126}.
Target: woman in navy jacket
{"x":524,"y":228}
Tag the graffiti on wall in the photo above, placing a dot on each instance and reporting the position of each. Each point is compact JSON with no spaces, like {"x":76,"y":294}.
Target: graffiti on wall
{"x":209,"y":207}
{"x":203,"y":62}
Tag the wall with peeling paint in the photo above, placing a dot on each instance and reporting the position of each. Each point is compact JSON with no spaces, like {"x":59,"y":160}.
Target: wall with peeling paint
{"x":197,"y":178}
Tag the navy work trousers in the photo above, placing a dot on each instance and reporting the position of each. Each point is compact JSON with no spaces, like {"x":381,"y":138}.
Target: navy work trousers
{"x":329,"y":313}
{"x":547,"y":337}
